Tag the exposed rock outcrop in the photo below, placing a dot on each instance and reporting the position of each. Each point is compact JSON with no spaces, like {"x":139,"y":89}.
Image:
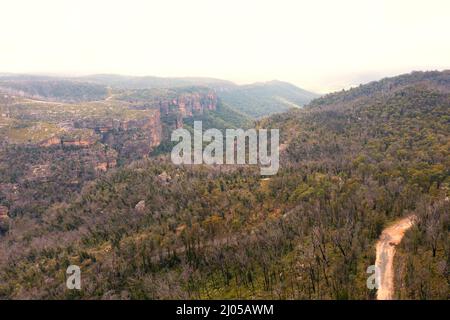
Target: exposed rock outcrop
{"x":4,"y":220}
{"x":4,"y":212}
{"x":140,"y":206}
{"x":79,"y":142}
{"x":51,"y":142}
{"x":150,"y":124}
{"x":187,"y":104}
{"x":164,"y":177}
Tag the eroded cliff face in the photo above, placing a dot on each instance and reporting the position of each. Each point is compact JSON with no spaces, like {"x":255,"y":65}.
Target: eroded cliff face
{"x":4,"y":219}
{"x":190,"y":103}
{"x":107,"y":161}
{"x":155,"y":129}
{"x":3,"y":212}
{"x":131,"y":139}
{"x":149,"y":127}
{"x":184,"y":105}
{"x":137,"y":132}
{"x":171,"y":106}
{"x":78,"y":142}
{"x":53,"y":141}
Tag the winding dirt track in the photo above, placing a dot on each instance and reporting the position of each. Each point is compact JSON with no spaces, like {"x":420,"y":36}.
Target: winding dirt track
{"x":390,"y":237}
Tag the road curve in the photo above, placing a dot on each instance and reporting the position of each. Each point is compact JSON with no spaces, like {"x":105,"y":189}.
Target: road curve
{"x":385,"y":249}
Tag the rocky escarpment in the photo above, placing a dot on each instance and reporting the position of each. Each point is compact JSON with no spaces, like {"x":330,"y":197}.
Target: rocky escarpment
{"x":4,"y":219}
{"x":148,"y":126}
{"x":151,"y":125}
{"x":187,"y":104}
{"x":3,"y":212}
{"x":131,"y":138}
{"x":173,"y":104}
{"x":68,"y":141}
{"x":144,"y":122}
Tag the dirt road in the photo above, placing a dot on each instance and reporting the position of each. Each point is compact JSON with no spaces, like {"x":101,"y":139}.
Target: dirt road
{"x":390,"y":237}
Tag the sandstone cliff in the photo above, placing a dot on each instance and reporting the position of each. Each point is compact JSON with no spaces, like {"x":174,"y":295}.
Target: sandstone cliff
{"x":188,"y":103}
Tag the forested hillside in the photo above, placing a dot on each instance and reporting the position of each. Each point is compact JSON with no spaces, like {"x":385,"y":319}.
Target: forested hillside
{"x":262,"y":99}
{"x":351,"y":162}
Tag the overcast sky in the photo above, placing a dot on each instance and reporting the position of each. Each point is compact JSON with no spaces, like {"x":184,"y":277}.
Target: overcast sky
{"x":318,"y":45}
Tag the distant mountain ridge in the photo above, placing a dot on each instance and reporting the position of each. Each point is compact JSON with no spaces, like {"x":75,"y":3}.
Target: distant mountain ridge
{"x":150,"y":82}
{"x":252,"y":100}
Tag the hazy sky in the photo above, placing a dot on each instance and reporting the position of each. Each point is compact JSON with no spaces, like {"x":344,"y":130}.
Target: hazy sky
{"x":318,"y":45}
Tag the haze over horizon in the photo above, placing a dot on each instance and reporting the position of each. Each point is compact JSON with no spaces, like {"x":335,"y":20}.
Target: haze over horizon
{"x":241,"y":42}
